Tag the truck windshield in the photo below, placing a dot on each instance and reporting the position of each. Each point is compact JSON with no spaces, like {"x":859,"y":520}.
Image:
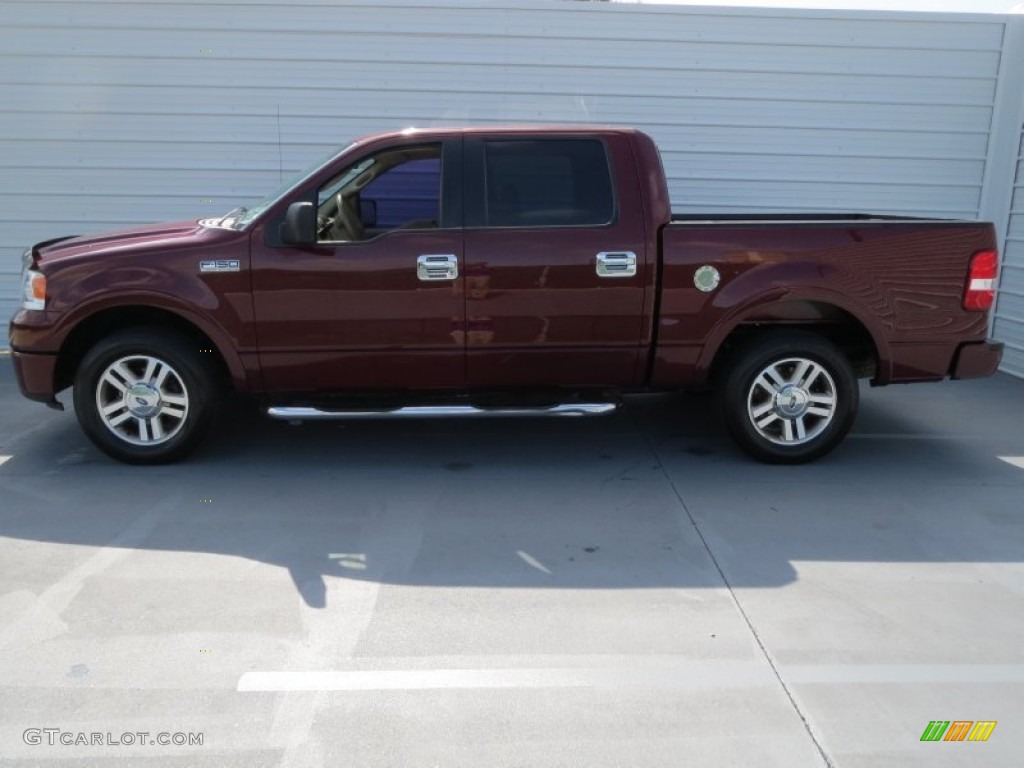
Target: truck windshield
{"x":240,"y":217}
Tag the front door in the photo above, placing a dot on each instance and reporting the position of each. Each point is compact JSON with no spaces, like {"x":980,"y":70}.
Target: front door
{"x":378,"y":302}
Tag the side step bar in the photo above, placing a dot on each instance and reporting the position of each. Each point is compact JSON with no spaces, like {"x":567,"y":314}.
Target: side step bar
{"x":296,"y":414}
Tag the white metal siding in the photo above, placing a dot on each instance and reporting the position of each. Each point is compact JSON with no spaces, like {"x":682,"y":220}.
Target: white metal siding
{"x":1009,"y":321}
{"x":113,"y":113}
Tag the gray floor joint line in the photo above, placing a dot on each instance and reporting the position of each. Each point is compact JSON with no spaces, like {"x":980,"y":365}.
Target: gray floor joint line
{"x":739,"y":607}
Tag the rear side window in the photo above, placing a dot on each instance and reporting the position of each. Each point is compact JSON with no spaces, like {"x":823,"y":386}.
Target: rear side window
{"x":547,"y":183}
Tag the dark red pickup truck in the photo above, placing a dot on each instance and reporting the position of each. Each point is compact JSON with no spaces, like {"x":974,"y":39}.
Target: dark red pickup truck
{"x":498,"y":270}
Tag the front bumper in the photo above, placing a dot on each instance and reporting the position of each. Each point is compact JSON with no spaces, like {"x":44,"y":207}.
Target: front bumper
{"x":35,"y":375}
{"x":35,"y":359}
{"x":977,"y":360}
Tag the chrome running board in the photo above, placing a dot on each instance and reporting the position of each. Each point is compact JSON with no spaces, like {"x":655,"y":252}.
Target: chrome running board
{"x":295,"y":414}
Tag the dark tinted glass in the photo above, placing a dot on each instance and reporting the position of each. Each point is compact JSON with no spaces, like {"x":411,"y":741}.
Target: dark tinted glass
{"x":547,"y":183}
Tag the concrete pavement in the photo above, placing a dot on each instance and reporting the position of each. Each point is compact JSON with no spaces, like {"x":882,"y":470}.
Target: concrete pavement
{"x":621,"y":591}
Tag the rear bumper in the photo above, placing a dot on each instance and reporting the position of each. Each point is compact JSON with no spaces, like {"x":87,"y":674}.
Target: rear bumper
{"x":35,"y":375}
{"x":977,"y":360}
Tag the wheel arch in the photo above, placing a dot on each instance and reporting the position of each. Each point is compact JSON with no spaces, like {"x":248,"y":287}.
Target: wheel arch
{"x":92,"y":327}
{"x":860,"y":338}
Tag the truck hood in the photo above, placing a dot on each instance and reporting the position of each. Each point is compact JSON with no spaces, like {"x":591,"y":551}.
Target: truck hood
{"x":148,"y":237}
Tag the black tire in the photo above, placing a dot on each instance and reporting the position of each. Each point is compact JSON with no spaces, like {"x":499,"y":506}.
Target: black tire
{"x":176,"y":415}
{"x":757,"y":418}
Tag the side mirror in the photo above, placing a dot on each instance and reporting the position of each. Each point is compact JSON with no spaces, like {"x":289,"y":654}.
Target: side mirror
{"x":299,"y":225}
{"x":368,"y":213}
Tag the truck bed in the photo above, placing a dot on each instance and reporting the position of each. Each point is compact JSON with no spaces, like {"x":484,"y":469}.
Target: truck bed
{"x":898,"y":281}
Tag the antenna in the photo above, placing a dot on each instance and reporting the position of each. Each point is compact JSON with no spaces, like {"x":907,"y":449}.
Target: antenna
{"x":280,"y":152}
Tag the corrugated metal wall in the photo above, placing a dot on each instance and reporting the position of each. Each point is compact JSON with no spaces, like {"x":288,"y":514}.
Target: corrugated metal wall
{"x":112,"y":113}
{"x":1009,"y":322}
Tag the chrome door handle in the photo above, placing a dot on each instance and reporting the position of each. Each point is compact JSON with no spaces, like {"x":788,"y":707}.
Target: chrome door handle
{"x":437,"y":267}
{"x":616,"y":264}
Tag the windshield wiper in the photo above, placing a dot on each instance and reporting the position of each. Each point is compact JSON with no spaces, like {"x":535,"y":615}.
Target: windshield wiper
{"x":236,"y":212}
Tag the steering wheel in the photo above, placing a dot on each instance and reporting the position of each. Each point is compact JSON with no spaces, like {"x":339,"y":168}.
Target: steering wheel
{"x":349,"y":220}
{"x":324,"y":224}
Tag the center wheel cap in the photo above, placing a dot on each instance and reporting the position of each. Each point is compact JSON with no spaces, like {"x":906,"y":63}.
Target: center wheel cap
{"x":142,"y":400}
{"x":791,"y":402}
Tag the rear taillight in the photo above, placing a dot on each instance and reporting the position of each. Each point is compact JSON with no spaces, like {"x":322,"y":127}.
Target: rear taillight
{"x":981,"y":281}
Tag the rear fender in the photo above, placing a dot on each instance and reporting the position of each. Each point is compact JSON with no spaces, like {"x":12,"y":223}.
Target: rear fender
{"x":753,"y":294}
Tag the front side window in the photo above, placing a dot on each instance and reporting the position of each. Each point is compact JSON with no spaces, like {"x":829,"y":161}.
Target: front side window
{"x":547,"y":183}
{"x":394,"y":189}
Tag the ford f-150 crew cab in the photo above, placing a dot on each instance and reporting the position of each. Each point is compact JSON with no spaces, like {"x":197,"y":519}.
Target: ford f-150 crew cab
{"x":498,"y":270}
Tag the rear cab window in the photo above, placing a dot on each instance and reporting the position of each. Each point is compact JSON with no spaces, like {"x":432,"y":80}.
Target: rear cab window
{"x":543,"y":183}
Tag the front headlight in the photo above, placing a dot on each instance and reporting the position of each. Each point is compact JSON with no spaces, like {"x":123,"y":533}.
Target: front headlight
{"x":33,"y":289}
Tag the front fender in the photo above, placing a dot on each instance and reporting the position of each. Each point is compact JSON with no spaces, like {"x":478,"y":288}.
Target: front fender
{"x":226,"y":342}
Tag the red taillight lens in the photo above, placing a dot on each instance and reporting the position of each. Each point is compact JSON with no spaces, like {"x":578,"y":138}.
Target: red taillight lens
{"x":981,"y":281}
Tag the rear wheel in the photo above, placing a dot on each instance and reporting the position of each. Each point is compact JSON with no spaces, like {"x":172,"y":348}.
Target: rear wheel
{"x":789,"y":398}
{"x":145,"y":396}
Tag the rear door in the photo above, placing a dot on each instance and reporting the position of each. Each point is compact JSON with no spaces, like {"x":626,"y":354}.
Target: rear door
{"x":555,"y":261}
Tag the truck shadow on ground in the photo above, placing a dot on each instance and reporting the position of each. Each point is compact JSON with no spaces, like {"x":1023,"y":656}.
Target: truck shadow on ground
{"x":641,"y":499}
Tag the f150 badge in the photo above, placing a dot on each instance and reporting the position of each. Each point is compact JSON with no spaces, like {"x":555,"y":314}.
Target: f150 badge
{"x":220,"y":265}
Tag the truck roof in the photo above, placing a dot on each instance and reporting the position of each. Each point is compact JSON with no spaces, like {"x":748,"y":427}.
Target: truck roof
{"x":533,"y":128}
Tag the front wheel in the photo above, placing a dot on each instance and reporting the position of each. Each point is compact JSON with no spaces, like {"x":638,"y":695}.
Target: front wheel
{"x":789,"y":398}
{"x":144,"y":396}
